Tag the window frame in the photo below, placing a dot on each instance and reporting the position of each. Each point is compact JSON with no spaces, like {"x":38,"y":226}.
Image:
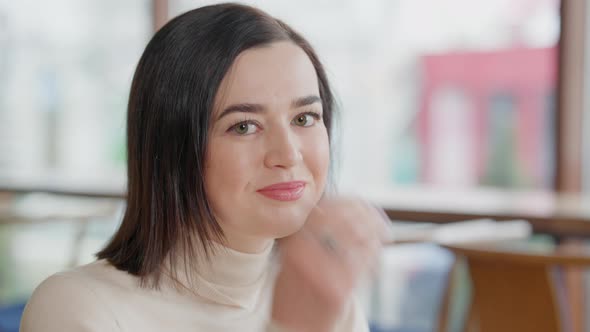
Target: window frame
{"x":570,"y":97}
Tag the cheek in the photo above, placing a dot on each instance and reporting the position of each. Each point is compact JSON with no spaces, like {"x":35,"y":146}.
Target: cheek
{"x":317,"y":157}
{"x":228,"y":167}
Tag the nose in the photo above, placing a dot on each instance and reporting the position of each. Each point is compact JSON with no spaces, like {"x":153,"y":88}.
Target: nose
{"x":283,"y":149}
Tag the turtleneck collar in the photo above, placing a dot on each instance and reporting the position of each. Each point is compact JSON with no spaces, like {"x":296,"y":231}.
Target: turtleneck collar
{"x":229,"y":277}
{"x":232,"y":268}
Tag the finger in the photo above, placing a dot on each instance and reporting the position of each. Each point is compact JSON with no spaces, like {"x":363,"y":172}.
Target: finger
{"x":328,"y":267}
{"x":381,"y":223}
{"x":356,"y":226}
{"x":345,"y":222}
{"x":308,"y":252}
{"x":362,"y":263}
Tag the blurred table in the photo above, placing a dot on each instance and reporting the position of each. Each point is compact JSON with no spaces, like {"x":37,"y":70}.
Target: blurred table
{"x":112,"y":186}
{"x":574,"y":252}
{"x":569,"y":255}
{"x":560,"y":215}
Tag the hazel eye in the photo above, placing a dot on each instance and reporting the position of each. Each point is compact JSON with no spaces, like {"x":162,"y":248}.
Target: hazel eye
{"x":304,"y":120}
{"x":244,"y":128}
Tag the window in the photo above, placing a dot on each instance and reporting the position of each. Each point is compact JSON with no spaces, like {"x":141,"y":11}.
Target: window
{"x":431,"y":95}
{"x":65,"y":72}
{"x":586,"y":105}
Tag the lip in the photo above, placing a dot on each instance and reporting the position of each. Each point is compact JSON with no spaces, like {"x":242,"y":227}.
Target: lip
{"x":284,"y":191}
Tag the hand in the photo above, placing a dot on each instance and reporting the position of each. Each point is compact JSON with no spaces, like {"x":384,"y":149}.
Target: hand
{"x":322,"y":263}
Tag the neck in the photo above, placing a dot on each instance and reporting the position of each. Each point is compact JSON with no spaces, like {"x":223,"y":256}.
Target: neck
{"x":233,"y":267}
{"x":230,"y":277}
{"x":246,"y":244}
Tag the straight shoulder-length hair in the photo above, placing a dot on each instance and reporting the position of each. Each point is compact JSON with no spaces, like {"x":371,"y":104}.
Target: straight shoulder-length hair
{"x":168,"y":116}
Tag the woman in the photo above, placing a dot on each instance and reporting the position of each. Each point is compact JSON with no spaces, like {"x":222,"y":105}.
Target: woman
{"x":228,"y":131}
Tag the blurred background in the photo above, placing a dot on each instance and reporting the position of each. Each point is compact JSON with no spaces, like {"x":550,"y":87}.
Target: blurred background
{"x":449,"y":111}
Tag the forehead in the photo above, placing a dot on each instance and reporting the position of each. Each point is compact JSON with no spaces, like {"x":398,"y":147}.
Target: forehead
{"x":273,"y":74}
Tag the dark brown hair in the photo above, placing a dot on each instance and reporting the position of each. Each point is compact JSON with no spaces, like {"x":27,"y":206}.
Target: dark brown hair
{"x":169,"y":110}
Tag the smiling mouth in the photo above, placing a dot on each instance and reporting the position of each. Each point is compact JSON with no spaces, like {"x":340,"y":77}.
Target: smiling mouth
{"x":285,"y":191}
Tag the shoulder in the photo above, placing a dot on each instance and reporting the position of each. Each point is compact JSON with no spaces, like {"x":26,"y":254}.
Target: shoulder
{"x":72,"y":301}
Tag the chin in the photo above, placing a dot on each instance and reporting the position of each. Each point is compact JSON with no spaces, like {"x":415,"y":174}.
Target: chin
{"x":284,"y":223}
{"x":279,"y":219}
{"x":290,"y":229}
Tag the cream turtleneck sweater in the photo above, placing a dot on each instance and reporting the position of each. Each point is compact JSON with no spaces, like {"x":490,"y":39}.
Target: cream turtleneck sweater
{"x":234,"y":293}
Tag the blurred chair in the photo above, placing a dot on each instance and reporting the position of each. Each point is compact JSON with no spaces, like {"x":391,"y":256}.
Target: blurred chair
{"x":36,"y":209}
{"x":10,"y":317}
{"x":516,"y":290}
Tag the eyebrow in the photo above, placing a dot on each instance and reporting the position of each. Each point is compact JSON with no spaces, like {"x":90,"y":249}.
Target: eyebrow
{"x":258,"y":108}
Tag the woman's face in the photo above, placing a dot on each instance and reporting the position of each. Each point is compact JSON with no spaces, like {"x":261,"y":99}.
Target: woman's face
{"x":268,"y":152}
